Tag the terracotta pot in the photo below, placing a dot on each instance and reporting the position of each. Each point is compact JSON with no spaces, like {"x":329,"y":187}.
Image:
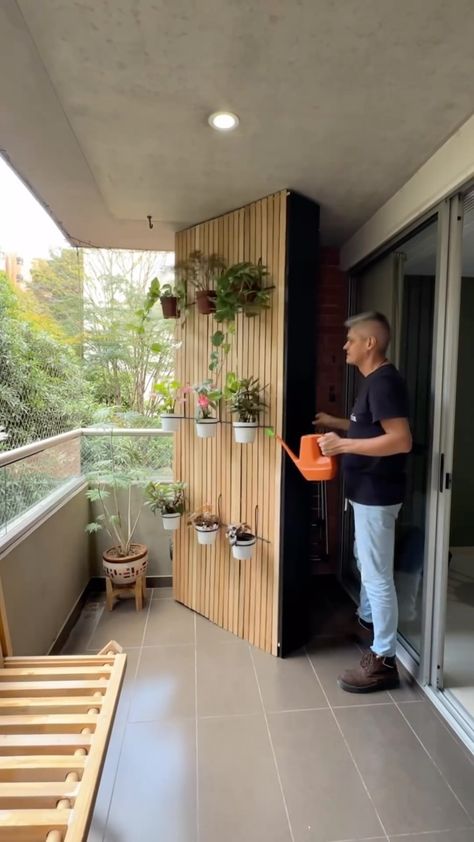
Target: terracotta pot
{"x":206,"y":301}
{"x":169,"y":305}
{"x":125,"y":570}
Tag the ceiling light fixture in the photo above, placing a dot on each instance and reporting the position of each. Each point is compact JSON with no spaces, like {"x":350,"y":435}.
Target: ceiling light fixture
{"x":223,"y":121}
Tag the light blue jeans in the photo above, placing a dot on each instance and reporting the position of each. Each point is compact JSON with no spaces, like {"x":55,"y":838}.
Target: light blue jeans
{"x":374,"y":550}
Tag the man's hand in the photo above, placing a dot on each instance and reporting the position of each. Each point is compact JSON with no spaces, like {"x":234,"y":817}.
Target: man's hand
{"x":322,"y":419}
{"x":332,"y":445}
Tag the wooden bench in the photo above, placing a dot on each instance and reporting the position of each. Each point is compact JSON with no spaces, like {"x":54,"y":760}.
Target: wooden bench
{"x":56,"y":715}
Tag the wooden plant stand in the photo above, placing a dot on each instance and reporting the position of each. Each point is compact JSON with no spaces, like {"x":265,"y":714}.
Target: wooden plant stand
{"x":116,"y":592}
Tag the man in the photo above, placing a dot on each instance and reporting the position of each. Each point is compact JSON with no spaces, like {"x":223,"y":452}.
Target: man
{"x":374,"y":455}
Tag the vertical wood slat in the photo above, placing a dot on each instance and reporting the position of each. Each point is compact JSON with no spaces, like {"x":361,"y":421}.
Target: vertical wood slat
{"x":239,"y":596}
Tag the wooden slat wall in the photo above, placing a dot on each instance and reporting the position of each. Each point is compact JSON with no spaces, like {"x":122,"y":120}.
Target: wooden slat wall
{"x":240,"y":596}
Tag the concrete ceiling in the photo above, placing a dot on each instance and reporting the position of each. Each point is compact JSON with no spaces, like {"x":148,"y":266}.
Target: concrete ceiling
{"x":104,"y":105}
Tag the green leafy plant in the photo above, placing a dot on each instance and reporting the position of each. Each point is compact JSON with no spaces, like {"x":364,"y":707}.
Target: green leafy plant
{"x":208,"y":396}
{"x":241,"y":288}
{"x":166,"y":497}
{"x":170,"y":392}
{"x":244,"y":397}
{"x":119,"y":525}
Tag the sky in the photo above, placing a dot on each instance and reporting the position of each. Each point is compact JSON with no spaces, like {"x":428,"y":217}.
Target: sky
{"x":25,"y":227}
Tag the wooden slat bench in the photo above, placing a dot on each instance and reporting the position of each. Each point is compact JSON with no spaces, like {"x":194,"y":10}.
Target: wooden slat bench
{"x":56,"y":715}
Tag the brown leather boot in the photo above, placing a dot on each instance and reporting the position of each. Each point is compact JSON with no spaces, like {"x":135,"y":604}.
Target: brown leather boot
{"x":375,"y":672}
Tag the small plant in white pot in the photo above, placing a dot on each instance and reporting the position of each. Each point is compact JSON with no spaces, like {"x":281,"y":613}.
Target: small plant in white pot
{"x":208,"y":397}
{"x":241,"y":539}
{"x":170,"y":394}
{"x":168,"y":499}
{"x":206,"y":524}
{"x":125,"y":560}
{"x":245,"y":399}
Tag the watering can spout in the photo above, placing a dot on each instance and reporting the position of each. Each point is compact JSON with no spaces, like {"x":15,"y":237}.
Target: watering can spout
{"x":311,"y":463}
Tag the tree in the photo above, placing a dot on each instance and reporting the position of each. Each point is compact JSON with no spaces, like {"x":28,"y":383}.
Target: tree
{"x":57,"y":285}
{"x":122,"y":362}
{"x":42,"y":386}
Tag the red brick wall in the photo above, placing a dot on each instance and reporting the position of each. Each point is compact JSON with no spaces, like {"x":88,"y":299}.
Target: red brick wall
{"x":332,"y":304}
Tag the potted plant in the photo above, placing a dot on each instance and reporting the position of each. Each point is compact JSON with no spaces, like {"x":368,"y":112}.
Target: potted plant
{"x":245,"y":399}
{"x":125,"y":560}
{"x":202,"y":272}
{"x":172,"y":298}
{"x":170,"y":392}
{"x":168,"y":499}
{"x":206,"y":524}
{"x":241,"y":288}
{"x":207,"y":398}
{"x":241,"y":539}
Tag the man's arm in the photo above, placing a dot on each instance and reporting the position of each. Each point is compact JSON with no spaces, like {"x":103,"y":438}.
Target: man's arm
{"x":322,"y":419}
{"x":396,"y":439}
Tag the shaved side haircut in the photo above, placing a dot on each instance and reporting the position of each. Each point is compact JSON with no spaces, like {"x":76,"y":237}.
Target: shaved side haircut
{"x":373,"y":324}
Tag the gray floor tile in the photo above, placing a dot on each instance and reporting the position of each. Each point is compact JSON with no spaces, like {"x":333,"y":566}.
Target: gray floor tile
{"x":465,"y":835}
{"x":325,"y":795}
{"x":226,"y":682}
{"x":78,"y":640}
{"x":239,"y":795}
{"x":165,"y":684}
{"x":207,"y":632}
{"x":162,"y":593}
{"x":287,"y":683}
{"x":169,"y":623}
{"x":409,"y":690}
{"x":155,"y":790}
{"x":329,"y":660}
{"x":124,"y":624}
{"x":455,"y":764}
{"x":407,"y":789}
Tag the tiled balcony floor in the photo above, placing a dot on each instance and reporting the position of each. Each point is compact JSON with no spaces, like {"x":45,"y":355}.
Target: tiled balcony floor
{"x":215,"y":741}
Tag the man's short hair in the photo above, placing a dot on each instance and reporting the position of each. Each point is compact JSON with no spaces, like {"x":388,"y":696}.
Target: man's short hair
{"x":383,"y":333}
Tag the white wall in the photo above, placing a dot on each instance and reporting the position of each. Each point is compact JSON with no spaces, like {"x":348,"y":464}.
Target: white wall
{"x":443,"y":174}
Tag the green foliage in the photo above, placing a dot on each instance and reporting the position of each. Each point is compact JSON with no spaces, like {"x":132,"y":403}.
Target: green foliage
{"x":244,"y":397}
{"x":240,"y":289}
{"x":119,"y":521}
{"x":166,"y":497}
{"x":43,"y":390}
{"x":57,"y":285}
{"x":169,"y":393}
{"x":208,"y":396}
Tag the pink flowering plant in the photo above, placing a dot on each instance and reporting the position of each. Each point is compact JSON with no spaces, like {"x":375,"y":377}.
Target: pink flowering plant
{"x":208,"y":396}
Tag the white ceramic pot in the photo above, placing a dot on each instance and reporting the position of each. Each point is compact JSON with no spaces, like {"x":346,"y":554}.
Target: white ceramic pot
{"x":206,"y":536}
{"x":243,"y":550}
{"x":124,"y":571}
{"x":206,"y":428}
{"x":169,"y":423}
{"x":171,"y":522}
{"x":245,"y":431}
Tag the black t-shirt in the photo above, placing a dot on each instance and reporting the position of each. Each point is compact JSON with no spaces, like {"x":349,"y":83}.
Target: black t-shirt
{"x":376,"y":480}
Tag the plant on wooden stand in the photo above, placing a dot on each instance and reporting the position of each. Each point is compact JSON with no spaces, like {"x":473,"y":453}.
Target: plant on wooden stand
{"x":170,"y":393}
{"x":125,"y":560}
{"x":206,"y":524}
{"x":168,"y":499}
{"x":244,"y":397}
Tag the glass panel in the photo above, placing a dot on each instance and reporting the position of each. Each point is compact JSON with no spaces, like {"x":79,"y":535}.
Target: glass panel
{"x":459,"y":637}
{"x":31,"y":481}
{"x":401,"y":285}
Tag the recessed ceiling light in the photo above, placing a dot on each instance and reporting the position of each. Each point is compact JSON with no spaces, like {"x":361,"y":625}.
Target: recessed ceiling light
{"x":223,"y":121}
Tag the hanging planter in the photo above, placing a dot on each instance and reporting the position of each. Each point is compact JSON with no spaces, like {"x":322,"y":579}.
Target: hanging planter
{"x":206,"y":301}
{"x":245,"y":431}
{"x":206,"y":428}
{"x":124,"y":570}
{"x":169,"y":306}
{"x":206,"y":535}
{"x":206,"y":524}
{"x":241,"y":540}
{"x":171,"y":522}
{"x":170,"y":423}
{"x":168,"y":499}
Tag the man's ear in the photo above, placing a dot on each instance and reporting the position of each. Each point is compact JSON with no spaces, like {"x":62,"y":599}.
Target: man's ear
{"x":371,"y":343}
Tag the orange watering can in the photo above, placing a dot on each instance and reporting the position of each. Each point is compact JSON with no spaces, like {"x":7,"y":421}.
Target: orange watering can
{"x":312,"y":464}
